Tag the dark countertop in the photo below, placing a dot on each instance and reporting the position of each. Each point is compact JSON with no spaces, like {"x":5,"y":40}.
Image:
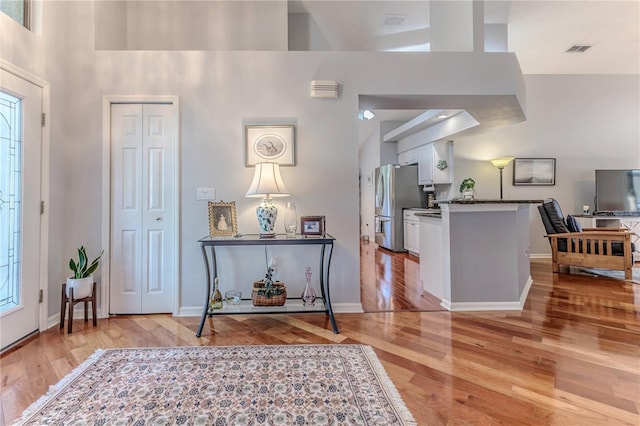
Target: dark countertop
{"x":461,"y":201}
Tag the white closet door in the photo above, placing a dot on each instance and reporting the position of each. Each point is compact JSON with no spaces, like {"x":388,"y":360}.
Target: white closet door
{"x":142,"y":205}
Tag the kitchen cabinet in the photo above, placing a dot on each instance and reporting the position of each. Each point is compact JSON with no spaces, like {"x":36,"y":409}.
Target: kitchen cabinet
{"x":434,"y":163}
{"x":411,"y":232}
{"x":408,"y":157}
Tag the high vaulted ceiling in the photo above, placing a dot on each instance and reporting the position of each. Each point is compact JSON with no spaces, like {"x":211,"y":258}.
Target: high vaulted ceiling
{"x":539,"y":32}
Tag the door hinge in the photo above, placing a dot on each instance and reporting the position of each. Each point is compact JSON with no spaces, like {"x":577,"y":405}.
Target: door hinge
{"x":41,"y":207}
{"x":44,"y":119}
{"x":41,"y":296}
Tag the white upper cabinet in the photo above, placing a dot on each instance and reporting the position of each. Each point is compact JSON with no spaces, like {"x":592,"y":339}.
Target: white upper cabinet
{"x":434,"y":163}
{"x":425,"y":164}
{"x":408,"y":157}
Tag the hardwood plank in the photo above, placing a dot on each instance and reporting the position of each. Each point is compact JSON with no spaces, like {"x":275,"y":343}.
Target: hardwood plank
{"x":571,"y":357}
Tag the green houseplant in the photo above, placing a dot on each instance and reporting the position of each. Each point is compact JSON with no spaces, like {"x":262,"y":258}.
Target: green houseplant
{"x":467,"y":188}
{"x":81,"y":281}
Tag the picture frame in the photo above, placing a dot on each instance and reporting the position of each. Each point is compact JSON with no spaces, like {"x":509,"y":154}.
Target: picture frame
{"x":534,"y":171}
{"x":222,"y":219}
{"x":312,"y":225}
{"x":270,"y":143}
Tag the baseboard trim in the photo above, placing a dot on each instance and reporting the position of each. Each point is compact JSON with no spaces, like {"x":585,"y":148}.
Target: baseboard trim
{"x":490,"y":306}
{"x":540,"y":256}
{"x":78,"y":313}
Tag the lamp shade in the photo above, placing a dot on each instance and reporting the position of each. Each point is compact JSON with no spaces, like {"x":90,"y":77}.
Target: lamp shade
{"x":267,"y":182}
{"x":501,"y":162}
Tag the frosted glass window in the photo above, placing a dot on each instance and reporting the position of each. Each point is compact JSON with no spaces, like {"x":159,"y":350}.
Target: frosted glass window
{"x":10,"y":200}
{"x":16,"y":10}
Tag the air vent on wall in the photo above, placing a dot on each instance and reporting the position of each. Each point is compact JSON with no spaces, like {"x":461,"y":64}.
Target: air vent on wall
{"x":393,"y":20}
{"x":325,"y":89}
{"x":579,"y":48}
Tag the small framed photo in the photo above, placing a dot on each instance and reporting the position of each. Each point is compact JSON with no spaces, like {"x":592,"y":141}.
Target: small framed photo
{"x":275,"y":144}
{"x":312,"y":225}
{"x":534,"y":171}
{"x":222,"y":219}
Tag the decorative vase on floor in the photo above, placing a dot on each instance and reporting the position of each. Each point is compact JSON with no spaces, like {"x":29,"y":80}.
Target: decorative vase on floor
{"x":308,"y":295}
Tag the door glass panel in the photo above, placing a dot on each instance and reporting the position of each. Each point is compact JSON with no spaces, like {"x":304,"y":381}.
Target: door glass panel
{"x":10,"y":200}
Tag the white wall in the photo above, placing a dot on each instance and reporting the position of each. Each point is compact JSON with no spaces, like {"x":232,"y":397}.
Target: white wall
{"x":191,"y":25}
{"x":220,"y":90}
{"x":369,"y":159}
{"x":585,"y":122}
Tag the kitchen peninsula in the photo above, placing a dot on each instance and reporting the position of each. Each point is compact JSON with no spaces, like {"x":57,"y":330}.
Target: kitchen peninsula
{"x":476,"y":255}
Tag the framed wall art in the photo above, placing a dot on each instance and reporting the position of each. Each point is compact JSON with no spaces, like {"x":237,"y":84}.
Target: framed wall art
{"x":271,"y":143}
{"x":222,"y":219}
{"x":534,"y":171}
{"x":312,"y":225}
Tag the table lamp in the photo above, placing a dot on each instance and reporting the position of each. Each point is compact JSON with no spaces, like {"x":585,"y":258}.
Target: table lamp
{"x":501,"y":163}
{"x":267,"y":183}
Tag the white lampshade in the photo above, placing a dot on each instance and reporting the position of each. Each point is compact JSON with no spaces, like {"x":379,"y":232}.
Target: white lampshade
{"x":267,"y":182}
{"x":502,"y":162}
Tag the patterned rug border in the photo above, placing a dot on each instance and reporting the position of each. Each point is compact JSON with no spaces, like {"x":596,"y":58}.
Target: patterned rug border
{"x":381,"y":375}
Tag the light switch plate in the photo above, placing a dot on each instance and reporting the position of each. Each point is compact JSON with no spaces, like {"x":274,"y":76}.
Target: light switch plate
{"x":206,"y":194}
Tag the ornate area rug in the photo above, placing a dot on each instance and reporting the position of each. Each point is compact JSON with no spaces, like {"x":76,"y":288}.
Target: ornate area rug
{"x":225,"y":385}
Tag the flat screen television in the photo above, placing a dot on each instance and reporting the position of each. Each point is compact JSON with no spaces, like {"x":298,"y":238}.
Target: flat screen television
{"x":618,"y":192}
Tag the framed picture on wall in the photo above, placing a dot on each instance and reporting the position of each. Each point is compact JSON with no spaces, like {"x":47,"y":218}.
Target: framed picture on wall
{"x":222,"y":219}
{"x":275,"y":144}
{"x":534,"y":171}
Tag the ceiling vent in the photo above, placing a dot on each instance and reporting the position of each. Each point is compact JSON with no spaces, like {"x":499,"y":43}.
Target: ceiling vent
{"x":579,"y":48}
{"x":325,"y":89}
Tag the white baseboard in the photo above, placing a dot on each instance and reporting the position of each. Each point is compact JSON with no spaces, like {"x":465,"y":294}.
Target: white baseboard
{"x":78,"y":313}
{"x":490,"y":306}
{"x":540,"y":256}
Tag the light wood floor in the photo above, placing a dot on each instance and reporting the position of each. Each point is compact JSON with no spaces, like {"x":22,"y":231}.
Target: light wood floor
{"x":571,"y":357}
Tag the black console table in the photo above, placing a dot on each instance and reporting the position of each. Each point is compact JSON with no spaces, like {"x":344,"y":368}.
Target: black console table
{"x":326,"y":250}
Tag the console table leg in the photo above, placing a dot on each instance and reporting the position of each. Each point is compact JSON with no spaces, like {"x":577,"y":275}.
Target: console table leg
{"x":324,"y":284}
{"x":206,"y":299}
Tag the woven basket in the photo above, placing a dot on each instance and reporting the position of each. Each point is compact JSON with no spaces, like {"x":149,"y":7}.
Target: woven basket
{"x":273,"y":300}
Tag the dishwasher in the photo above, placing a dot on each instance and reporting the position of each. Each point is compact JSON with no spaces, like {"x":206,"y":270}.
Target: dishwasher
{"x":411,"y":231}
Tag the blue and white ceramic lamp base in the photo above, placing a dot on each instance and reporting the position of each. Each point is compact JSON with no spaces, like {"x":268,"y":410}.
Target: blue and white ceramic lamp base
{"x":267,"y":214}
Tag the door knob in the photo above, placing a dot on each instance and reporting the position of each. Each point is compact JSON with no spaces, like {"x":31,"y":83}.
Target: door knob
{"x":158,"y":218}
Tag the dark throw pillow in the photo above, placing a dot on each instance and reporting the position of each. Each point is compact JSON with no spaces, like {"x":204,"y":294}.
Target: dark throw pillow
{"x":573,"y":224}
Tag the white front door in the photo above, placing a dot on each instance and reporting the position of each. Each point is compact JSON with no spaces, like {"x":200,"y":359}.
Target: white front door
{"x":20,"y":195}
{"x":142,"y":206}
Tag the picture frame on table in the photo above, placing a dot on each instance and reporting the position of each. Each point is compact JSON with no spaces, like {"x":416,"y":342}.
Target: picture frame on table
{"x":270,"y":143}
{"x":534,"y":171}
{"x":222,"y":219}
{"x":312,"y":225}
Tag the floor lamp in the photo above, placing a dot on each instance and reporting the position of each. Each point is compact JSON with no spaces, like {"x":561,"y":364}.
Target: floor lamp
{"x":501,"y":163}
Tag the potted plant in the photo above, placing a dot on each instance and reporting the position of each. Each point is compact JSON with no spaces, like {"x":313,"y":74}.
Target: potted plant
{"x":467,"y":188}
{"x":267,"y":292}
{"x":82,"y":279}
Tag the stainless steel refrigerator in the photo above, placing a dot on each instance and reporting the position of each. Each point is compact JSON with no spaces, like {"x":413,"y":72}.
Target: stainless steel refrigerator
{"x":396,"y":188}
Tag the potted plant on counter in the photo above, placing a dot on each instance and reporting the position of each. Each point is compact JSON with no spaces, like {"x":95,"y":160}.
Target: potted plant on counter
{"x":467,"y":188}
{"x":82,"y":279}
